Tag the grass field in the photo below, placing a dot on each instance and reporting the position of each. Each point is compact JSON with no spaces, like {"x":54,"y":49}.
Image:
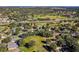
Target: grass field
{"x":38,"y":44}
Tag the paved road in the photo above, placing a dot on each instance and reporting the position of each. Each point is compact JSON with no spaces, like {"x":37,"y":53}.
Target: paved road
{"x":45,"y":21}
{"x":34,"y":22}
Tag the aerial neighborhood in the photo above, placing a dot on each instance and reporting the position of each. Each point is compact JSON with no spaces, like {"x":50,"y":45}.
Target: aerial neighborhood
{"x":39,"y":29}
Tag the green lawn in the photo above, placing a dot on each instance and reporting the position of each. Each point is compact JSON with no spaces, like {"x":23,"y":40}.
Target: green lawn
{"x":50,"y":16}
{"x":38,"y":44}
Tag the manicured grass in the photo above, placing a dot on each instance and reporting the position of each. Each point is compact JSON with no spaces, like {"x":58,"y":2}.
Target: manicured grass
{"x":40,"y":24}
{"x":50,"y":16}
{"x":38,"y":44}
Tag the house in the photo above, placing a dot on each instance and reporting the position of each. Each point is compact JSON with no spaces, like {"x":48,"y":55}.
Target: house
{"x":3,"y":36}
{"x":55,"y":34}
{"x":13,"y":39}
{"x":4,"y":20}
{"x":12,"y":47}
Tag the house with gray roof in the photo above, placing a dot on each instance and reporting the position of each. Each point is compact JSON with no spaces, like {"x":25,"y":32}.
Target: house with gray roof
{"x":12,"y":47}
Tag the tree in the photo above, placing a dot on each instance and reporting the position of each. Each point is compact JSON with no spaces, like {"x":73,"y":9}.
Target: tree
{"x":53,"y":46}
{"x":6,"y":40}
{"x":30,"y":44}
{"x":77,"y":24}
{"x":44,"y":33}
{"x":3,"y":48}
{"x":71,"y":43}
